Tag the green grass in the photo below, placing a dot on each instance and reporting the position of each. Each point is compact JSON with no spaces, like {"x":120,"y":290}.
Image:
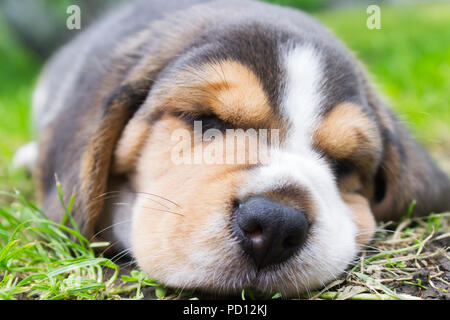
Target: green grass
{"x":19,"y":70}
{"x":43,"y":259}
{"x":409,"y":59}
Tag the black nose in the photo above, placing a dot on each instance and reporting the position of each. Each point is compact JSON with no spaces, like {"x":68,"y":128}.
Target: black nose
{"x":268,"y":231}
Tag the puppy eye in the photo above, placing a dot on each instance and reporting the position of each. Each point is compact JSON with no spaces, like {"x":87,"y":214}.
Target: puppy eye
{"x":207,"y":121}
{"x":342,"y":167}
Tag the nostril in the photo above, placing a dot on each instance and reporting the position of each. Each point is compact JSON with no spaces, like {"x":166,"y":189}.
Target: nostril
{"x":250,"y":226}
{"x":252,"y":231}
{"x":255,"y":235}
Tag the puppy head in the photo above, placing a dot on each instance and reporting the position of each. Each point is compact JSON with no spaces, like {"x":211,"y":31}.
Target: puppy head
{"x":289,"y":223}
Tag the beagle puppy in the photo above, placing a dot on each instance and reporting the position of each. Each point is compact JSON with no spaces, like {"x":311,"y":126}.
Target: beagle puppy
{"x":108,"y":103}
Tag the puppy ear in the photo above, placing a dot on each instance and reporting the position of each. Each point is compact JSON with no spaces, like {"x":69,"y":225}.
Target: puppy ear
{"x":406,"y":172}
{"x":80,"y":143}
{"x":131,"y":141}
{"x":78,"y":147}
{"x":96,"y":158}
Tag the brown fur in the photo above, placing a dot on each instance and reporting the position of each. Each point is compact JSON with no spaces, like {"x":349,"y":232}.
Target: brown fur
{"x":120,"y":118}
{"x":212,"y":187}
{"x":129,"y":145}
{"x":362,"y":216}
{"x":296,"y":197}
{"x":119,"y":93}
{"x":226,"y":88}
{"x":348,"y":133}
{"x":406,"y":172}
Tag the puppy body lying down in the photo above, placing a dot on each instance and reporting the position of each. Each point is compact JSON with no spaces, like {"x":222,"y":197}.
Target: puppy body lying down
{"x":107,"y":106}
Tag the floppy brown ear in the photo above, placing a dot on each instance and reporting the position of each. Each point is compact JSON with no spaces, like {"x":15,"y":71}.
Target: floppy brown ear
{"x":129,"y":144}
{"x":406,"y":172}
{"x":79,"y":150}
{"x":79,"y":144}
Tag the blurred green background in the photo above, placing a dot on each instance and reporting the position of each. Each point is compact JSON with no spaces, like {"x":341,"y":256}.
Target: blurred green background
{"x":408,"y":59}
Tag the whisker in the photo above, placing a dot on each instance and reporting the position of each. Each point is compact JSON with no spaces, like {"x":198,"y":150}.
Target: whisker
{"x":121,"y":254}
{"x":109,"y":227}
{"x":157,"y":209}
{"x":115,"y":193}
{"x":111,"y":245}
{"x":158,"y":196}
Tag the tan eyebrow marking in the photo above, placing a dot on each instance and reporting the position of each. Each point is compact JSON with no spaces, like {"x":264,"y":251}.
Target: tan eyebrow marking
{"x":226,"y":88}
{"x":348,"y":133}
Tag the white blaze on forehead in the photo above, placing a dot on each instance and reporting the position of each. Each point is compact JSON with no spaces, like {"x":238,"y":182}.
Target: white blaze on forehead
{"x":302,"y":99}
{"x":331,"y":244}
{"x":300,"y":107}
